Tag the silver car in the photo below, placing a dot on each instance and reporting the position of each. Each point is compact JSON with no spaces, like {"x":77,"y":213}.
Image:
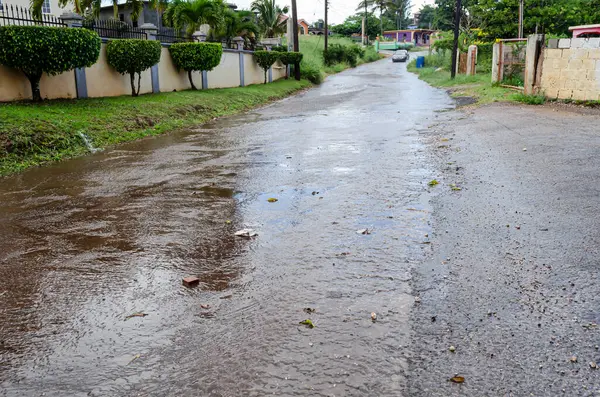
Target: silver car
{"x":400,"y":56}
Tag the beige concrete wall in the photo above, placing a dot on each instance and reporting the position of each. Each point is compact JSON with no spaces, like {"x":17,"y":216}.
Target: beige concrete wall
{"x":278,"y":71}
{"x":227,"y":73}
{"x":102,"y":80}
{"x":14,"y":86}
{"x":170,"y":79}
{"x":571,"y":73}
{"x":253,"y":74}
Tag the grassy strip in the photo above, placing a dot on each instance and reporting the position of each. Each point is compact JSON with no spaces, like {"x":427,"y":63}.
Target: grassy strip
{"x":313,"y":67}
{"x":478,"y":86}
{"x":34,"y":134}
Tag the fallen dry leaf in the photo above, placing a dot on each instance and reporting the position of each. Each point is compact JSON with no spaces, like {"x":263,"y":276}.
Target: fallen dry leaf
{"x":138,"y":314}
{"x":457,"y":379}
{"x":272,"y":200}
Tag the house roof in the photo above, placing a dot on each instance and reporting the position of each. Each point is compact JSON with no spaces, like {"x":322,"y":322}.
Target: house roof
{"x":285,"y":18}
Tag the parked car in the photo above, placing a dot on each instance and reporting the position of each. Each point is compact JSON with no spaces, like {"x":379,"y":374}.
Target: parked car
{"x":400,"y":56}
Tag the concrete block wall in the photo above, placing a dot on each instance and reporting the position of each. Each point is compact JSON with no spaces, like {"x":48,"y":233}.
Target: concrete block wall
{"x":571,"y":69}
{"x":237,"y":68}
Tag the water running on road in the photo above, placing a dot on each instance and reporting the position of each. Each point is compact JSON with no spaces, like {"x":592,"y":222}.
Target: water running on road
{"x":87,"y":242}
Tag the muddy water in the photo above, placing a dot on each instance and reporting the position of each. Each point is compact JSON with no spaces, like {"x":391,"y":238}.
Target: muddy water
{"x":88,"y":242}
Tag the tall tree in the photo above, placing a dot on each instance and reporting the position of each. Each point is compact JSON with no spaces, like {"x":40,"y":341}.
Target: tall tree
{"x":190,"y":15}
{"x":381,"y":5}
{"x":426,"y":15}
{"x":270,"y":17}
{"x":236,"y":24}
{"x":353,"y":24}
{"x":400,"y":10}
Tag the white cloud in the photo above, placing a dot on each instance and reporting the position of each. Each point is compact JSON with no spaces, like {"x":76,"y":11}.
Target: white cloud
{"x":312,"y":10}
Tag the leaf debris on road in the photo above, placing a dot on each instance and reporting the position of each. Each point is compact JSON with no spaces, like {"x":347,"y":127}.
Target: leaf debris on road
{"x":136,"y":314}
{"x":433,"y":182}
{"x":308,"y":323}
{"x":457,"y":379}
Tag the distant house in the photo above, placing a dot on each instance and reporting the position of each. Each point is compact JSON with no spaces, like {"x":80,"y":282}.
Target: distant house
{"x":420,"y":37}
{"x":303,"y":26}
{"x":585,"y":31}
{"x":50,"y":7}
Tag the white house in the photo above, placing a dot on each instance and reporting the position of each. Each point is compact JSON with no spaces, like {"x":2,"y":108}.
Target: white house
{"x":50,"y":7}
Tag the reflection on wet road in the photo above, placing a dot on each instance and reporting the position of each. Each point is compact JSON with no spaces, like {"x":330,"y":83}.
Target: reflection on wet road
{"x":87,"y":242}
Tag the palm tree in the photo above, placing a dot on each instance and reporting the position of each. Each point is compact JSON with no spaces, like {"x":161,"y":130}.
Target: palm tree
{"x":238,"y":23}
{"x":400,"y":8}
{"x":191,"y":14}
{"x":270,"y":17}
{"x":380,"y":5}
{"x":160,"y":6}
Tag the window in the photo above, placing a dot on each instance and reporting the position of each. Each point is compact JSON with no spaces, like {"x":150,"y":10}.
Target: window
{"x":46,"y":7}
{"x":122,"y":17}
{"x":1,"y":6}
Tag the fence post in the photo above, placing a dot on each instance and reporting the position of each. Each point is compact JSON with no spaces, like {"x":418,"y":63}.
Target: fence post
{"x":151,"y":31}
{"x":241,"y":69}
{"x":496,"y":63}
{"x":199,"y":36}
{"x":239,"y":42}
{"x":73,"y":20}
{"x":472,"y":60}
{"x":532,"y":53}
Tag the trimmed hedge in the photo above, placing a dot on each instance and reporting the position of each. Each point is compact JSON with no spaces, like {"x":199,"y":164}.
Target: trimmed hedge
{"x":193,"y":57}
{"x":133,"y":56}
{"x":290,"y":58}
{"x":279,"y":48}
{"x":35,"y":50}
{"x":266,"y":59}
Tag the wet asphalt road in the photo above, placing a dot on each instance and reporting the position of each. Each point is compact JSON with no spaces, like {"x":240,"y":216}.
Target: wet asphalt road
{"x":505,"y":269}
{"x":88,"y":242}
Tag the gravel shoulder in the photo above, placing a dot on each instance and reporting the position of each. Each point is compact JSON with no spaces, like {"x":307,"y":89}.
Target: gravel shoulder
{"x":511,"y":280}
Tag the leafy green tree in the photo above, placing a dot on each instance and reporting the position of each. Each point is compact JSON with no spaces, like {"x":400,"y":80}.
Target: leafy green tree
{"x":193,"y":57}
{"x":266,"y":59}
{"x":398,"y":12}
{"x":191,"y":14}
{"x":381,"y":5}
{"x":36,"y":50}
{"x":133,"y":56}
{"x":238,"y":23}
{"x":426,"y":15}
{"x":353,"y":24}
{"x":270,"y":17}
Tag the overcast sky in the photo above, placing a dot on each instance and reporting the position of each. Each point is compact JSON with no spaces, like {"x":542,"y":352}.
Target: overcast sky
{"x":312,"y":10}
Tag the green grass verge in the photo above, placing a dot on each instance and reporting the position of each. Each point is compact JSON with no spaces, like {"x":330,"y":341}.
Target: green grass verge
{"x":34,"y":134}
{"x":313,"y":67}
{"x":478,"y":86}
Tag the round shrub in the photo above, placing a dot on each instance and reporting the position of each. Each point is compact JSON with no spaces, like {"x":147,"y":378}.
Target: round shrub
{"x":311,"y":71}
{"x":266,"y":59}
{"x":193,"y":57}
{"x":133,"y":56}
{"x":35,"y":50}
{"x":290,"y":58}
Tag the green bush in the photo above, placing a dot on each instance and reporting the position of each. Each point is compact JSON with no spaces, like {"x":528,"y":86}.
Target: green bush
{"x":266,"y":59}
{"x":290,"y":58}
{"x":133,"y":56}
{"x":337,"y":53}
{"x":35,"y":50}
{"x":311,"y":71}
{"x":193,"y":57}
{"x":279,"y":48}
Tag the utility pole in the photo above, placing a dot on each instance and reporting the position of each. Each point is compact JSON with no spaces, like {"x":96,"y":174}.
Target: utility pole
{"x":520,"y":19}
{"x":366,"y":25}
{"x":456,"y":30}
{"x":326,"y":30}
{"x":296,"y":44}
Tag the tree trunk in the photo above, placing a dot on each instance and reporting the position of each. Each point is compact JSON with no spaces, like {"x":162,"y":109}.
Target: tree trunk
{"x":139,"y":84}
{"x":132,"y":78}
{"x":34,"y":80}
{"x":381,"y":22}
{"x":265,"y":76}
{"x":191,"y":80}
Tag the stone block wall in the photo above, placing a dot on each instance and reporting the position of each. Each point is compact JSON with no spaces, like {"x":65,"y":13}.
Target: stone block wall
{"x":571,"y":69}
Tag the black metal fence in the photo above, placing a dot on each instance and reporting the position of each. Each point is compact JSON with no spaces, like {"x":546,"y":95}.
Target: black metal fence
{"x":170,"y":35}
{"x":13,"y":15}
{"x":112,"y":29}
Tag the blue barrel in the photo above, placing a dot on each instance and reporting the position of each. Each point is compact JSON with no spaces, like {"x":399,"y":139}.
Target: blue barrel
{"x":420,"y":62}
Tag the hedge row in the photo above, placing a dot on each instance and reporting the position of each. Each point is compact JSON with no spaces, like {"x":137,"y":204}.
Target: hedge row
{"x":35,"y":50}
{"x":266,"y":59}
